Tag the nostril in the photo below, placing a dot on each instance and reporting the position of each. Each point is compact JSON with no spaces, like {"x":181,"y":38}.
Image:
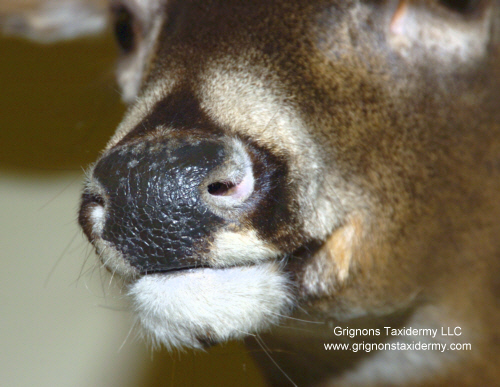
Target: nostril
{"x":92,"y":214}
{"x":221,"y":188}
{"x":230,"y":193}
{"x":92,"y":198}
{"x":232,"y":183}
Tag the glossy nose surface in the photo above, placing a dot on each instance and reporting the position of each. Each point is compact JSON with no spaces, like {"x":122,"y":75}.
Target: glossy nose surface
{"x":154,"y":211}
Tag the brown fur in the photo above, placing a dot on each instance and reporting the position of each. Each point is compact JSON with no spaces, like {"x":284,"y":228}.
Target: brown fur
{"x":407,"y":144}
{"x":384,"y":117}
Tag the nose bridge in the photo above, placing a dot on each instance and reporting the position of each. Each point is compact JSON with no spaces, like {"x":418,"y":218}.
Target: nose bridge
{"x":155,"y":215}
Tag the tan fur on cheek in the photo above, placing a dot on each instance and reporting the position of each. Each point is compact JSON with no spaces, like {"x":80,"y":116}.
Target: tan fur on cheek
{"x":331,"y":266}
{"x":341,"y":245}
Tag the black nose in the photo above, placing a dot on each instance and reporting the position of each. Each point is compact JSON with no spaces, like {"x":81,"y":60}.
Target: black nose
{"x":155,"y":214}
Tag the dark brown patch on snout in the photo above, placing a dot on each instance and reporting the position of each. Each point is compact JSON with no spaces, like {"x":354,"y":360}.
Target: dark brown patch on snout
{"x":180,"y":110}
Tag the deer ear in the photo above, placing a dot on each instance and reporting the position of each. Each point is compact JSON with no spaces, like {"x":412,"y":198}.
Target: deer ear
{"x":452,"y":31}
{"x":48,"y":21}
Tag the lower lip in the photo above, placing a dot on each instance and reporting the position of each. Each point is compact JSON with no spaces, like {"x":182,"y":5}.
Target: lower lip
{"x":175,"y":270}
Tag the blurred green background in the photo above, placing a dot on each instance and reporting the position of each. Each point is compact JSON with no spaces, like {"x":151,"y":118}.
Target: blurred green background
{"x":61,"y":322}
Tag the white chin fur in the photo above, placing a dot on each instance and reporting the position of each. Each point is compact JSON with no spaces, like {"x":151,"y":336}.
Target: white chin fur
{"x":211,"y":305}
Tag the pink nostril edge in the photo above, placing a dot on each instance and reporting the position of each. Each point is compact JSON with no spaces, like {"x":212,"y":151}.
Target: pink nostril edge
{"x":240,"y":191}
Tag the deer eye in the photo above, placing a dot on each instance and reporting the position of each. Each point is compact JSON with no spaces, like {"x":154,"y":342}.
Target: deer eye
{"x":124,"y":28}
{"x":460,"y":6}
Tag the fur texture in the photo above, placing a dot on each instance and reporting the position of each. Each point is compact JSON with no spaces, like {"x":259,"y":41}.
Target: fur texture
{"x":203,"y":306}
{"x":355,"y":150}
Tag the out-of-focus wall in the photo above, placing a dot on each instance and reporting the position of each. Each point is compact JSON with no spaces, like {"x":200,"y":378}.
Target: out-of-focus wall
{"x":61,"y":323}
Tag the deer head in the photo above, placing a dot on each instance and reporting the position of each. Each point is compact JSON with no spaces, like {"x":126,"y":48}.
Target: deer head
{"x":331,"y":159}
